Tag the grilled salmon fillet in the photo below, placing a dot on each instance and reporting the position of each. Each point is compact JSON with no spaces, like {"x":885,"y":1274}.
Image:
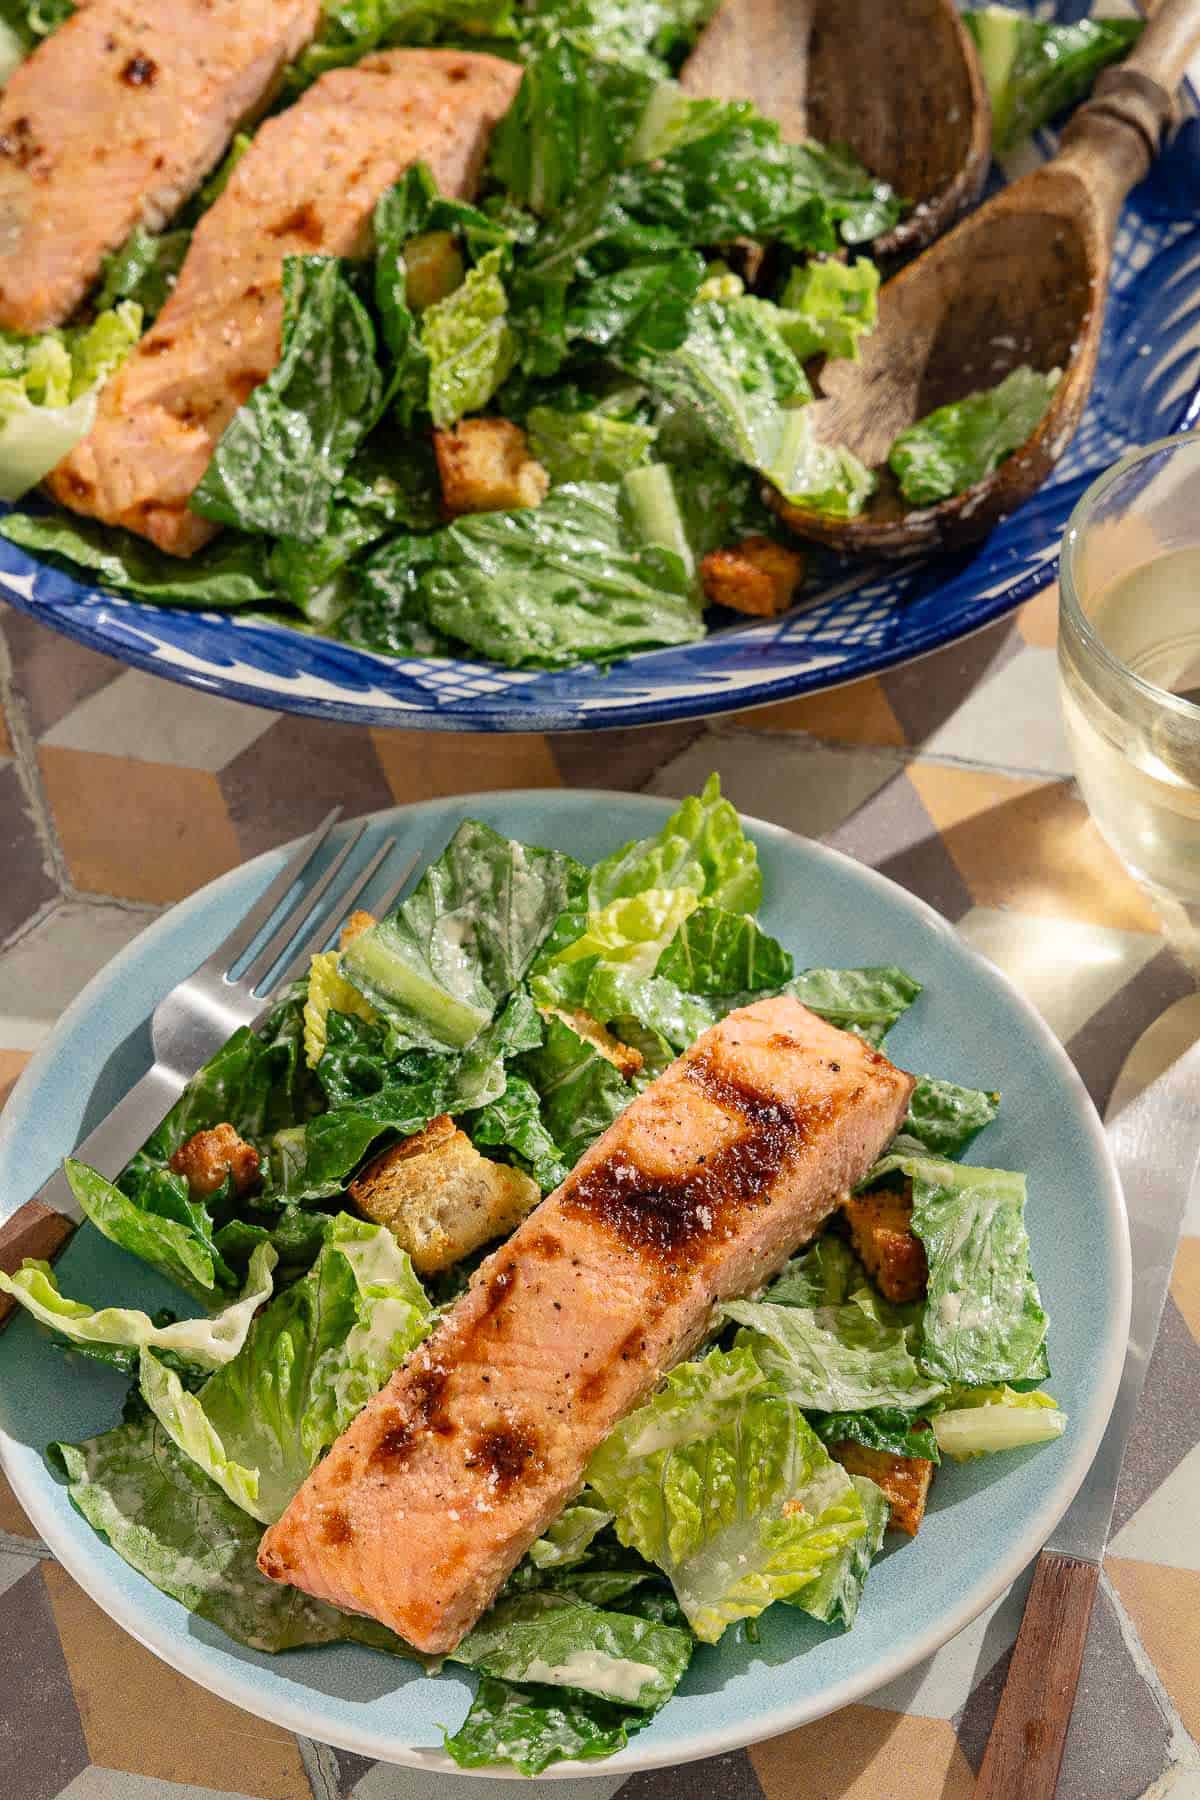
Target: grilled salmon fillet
{"x":307,"y":185}
{"x":697,"y":1193}
{"x":114,"y":121}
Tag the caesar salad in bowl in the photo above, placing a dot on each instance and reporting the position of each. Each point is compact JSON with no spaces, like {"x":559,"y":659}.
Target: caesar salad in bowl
{"x":562,"y":1328}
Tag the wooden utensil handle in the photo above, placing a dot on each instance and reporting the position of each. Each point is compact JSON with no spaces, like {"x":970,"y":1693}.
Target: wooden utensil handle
{"x":33,"y":1230}
{"x":1115,"y":136}
{"x":1029,"y":1733}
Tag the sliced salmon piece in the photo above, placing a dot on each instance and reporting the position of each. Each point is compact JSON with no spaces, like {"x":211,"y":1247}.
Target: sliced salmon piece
{"x":699,"y":1192}
{"x":307,"y":185}
{"x":114,"y":121}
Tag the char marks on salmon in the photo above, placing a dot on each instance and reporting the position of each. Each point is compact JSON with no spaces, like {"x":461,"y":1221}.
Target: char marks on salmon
{"x":114,"y":121}
{"x":307,"y":185}
{"x":698,"y":1193}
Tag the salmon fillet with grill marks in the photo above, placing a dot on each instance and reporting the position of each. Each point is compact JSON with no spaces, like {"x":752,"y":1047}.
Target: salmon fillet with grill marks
{"x":114,"y":121}
{"x":307,"y":185}
{"x":697,"y":1193}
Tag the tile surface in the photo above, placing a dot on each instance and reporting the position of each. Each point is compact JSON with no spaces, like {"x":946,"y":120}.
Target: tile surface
{"x":120,"y":794}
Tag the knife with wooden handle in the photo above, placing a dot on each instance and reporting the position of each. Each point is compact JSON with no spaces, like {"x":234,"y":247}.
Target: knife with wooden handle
{"x":1155,"y":1140}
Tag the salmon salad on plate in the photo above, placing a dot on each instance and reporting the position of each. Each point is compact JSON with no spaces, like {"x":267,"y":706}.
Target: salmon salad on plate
{"x":566,"y":1275}
{"x":448,"y":326}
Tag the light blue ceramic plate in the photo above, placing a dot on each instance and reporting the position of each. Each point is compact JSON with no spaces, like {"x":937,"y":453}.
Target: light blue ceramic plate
{"x":1146,"y":387}
{"x":986,"y":1519}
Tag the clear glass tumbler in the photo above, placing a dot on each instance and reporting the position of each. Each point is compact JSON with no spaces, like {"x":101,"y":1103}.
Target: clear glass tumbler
{"x":1129,"y":659}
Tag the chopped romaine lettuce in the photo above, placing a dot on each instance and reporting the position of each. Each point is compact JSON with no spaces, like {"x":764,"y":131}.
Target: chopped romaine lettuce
{"x":824,"y":1275}
{"x":866,"y":1001}
{"x":587,"y":446}
{"x":350,"y":29}
{"x":513,"y":1121}
{"x":828,"y":306}
{"x":558,"y":1640}
{"x":48,"y":389}
{"x":847,"y":1357}
{"x":532,"y":1727}
{"x":144,"y":270}
{"x":204,"y":1343}
{"x":1035,"y":68}
{"x":329,"y":991}
{"x":13,"y":48}
{"x":834,"y":1596}
{"x":468,"y":343}
{"x":632,"y":931}
{"x":719,"y":1480}
{"x":825,"y":478}
{"x":945,"y":1117}
{"x":983,"y":1322}
{"x":977,"y":1421}
{"x":440,"y":965}
{"x":230,"y":573}
{"x":952,"y":448}
{"x":581,"y":1092}
{"x":570,"y":124}
{"x":702,"y":846}
{"x":163,"y":1515}
{"x":569,"y":1538}
{"x":883,"y":1428}
{"x":180,"y":1249}
{"x":546,"y":585}
{"x":312,"y":1360}
{"x":720,"y":952}
{"x":278,"y":464}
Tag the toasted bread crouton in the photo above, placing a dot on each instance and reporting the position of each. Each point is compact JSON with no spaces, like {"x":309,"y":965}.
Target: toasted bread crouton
{"x":485,"y":466}
{"x":440,"y":1198}
{"x":756,"y":576}
{"x":623,"y":1057}
{"x":209,"y":1156}
{"x":355,"y":925}
{"x":904,"y":1479}
{"x":881,"y":1230}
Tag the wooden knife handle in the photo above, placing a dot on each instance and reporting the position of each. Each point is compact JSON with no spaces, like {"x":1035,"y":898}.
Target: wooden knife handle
{"x":1029,"y":1732}
{"x":34,"y":1230}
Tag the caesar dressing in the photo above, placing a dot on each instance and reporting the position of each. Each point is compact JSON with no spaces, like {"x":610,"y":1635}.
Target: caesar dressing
{"x":613,"y":1678}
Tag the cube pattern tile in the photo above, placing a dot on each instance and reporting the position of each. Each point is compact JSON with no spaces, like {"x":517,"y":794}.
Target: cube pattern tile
{"x":120,"y":794}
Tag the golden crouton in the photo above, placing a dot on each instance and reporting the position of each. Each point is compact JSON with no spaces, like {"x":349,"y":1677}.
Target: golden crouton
{"x":881,"y":1230}
{"x":433,"y":268}
{"x":209,"y":1156}
{"x":756,"y":576}
{"x":440,"y":1198}
{"x":485,"y":466}
{"x":623,"y":1057}
{"x":355,"y":925}
{"x":904,"y":1479}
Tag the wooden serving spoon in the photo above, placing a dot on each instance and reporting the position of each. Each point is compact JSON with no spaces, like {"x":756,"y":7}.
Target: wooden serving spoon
{"x":1021,"y":281}
{"x":897,"y":80}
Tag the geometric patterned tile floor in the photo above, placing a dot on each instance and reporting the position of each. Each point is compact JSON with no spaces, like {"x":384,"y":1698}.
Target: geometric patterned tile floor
{"x":120,"y":794}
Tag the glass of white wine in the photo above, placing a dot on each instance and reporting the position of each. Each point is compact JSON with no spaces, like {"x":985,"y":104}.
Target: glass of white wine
{"x":1129,"y":658}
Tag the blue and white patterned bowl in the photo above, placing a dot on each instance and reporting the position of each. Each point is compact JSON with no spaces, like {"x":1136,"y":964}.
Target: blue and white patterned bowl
{"x":1147,"y":386}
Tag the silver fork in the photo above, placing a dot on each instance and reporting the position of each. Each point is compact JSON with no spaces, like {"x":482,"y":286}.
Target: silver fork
{"x":234,"y":986}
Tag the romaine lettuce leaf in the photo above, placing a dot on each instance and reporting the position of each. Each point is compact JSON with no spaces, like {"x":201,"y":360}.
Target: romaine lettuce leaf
{"x":955,"y":446}
{"x":329,"y":991}
{"x":205,"y":1343}
{"x":847,"y":1357}
{"x":702,"y":846}
{"x":571,"y":123}
{"x":834,"y":1596}
{"x":182,"y":1250}
{"x":581,"y":1092}
{"x":825,"y":478}
{"x":230,"y":573}
{"x":532,"y":1727}
{"x":977,"y":1421}
{"x":48,"y":389}
{"x":1035,"y":68}
{"x":312,"y":1360}
{"x":587,"y":446}
{"x":631,"y":932}
{"x":945,"y":1117}
{"x":173,"y":1525}
{"x":558,"y":1640}
{"x":278,"y":464}
{"x":825,"y":1274}
{"x":569,"y":1538}
{"x":13,"y":47}
{"x":143,"y":270}
{"x":828,"y":306}
{"x":439,"y":967}
{"x":983,"y":1322}
{"x":468,"y":343}
{"x":704,"y":1480}
{"x":883,"y":1428}
{"x":546,"y":585}
{"x":866,"y":1001}
{"x":513,"y":1121}
{"x":351,"y":28}
{"x":720,"y":952}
